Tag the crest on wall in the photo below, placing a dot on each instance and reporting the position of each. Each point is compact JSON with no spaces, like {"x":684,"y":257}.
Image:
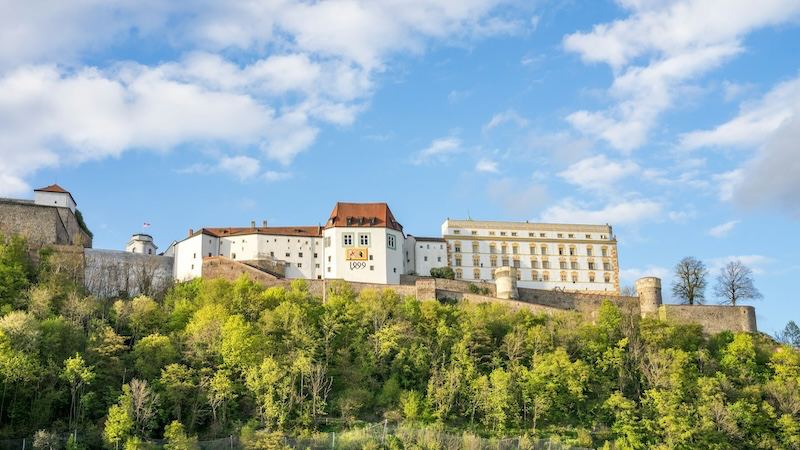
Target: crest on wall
{"x":357,"y":254}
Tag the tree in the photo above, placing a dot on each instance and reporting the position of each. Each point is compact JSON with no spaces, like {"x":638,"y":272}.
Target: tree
{"x":790,"y":335}
{"x":443,"y":272}
{"x":119,"y":425}
{"x":15,"y":270}
{"x":177,"y":439}
{"x":735,"y":283}
{"x":152,"y":353}
{"x":77,"y":374}
{"x":689,"y":284}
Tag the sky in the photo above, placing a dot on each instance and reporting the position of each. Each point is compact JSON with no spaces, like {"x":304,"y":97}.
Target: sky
{"x":677,"y":122}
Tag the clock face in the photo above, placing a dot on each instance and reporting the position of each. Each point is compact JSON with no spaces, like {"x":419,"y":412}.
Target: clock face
{"x":356,"y":254}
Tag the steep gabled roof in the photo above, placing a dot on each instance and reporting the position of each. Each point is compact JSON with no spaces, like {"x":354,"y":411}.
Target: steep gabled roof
{"x":56,"y":189}
{"x":363,"y":215}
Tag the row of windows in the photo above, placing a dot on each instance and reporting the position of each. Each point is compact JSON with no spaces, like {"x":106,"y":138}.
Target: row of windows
{"x":533,"y":235}
{"x":535,"y":276}
{"x":571,"y":250}
{"x":591,"y":265}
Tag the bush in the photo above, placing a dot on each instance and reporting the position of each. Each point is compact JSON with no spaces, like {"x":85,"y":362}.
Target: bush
{"x":443,"y":272}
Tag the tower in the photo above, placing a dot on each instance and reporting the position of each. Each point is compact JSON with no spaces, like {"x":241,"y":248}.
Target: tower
{"x":506,"y":282}
{"x":141,"y":243}
{"x":649,"y":291}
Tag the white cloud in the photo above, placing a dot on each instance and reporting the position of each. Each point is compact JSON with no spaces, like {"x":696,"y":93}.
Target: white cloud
{"x":272,"y":175}
{"x":628,"y":212}
{"x":486,"y":165}
{"x":758,"y":263}
{"x":242,"y":167}
{"x":303,"y":70}
{"x":679,"y":41}
{"x":508,"y":116}
{"x":632,"y":274}
{"x":438,"y":151}
{"x":722,"y":230}
{"x":520,"y":198}
{"x":598,"y":172}
{"x":755,"y":123}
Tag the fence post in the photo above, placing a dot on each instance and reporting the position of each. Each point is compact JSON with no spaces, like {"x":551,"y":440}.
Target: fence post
{"x":231,"y":438}
{"x":333,"y":441}
{"x":383,"y":438}
{"x":23,"y":443}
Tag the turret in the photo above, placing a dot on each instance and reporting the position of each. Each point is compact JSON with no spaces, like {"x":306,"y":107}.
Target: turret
{"x":505,"y":279}
{"x":649,"y":291}
{"x":141,"y":243}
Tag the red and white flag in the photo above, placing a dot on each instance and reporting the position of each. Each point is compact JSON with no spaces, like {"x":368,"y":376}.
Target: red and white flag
{"x":145,"y":225}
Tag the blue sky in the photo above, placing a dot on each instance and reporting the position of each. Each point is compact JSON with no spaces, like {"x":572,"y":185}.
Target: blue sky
{"x":677,"y":122}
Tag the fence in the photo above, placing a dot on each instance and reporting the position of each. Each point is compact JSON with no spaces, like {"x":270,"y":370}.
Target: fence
{"x":372,"y":436}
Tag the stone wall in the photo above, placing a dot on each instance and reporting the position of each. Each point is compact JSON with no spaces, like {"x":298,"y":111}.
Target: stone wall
{"x":714,"y":319}
{"x":513,"y":304}
{"x":41,"y":225}
{"x":226,"y":268}
{"x":586,"y":303}
{"x":112,"y":273}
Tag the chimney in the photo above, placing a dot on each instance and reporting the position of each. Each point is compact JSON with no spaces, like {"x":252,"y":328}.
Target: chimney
{"x":264,"y":223}
{"x":191,"y":232}
{"x":252,"y":224}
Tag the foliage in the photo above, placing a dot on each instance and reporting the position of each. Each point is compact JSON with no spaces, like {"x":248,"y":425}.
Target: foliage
{"x":217,"y":358}
{"x":82,"y":223}
{"x":443,"y":272}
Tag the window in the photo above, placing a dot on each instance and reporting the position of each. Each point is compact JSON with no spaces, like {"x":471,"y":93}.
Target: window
{"x":505,"y":260}
{"x":394,"y":269}
{"x":316,"y":265}
{"x":541,"y":234}
{"x":192,"y":266}
{"x":150,"y":252}
{"x":533,"y":249}
{"x":363,"y":239}
{"x":272,"y":254}
{"x":570,"y":236}
{"x":327,"y":241}
{"x":494,"y":261}
{"x":561,"y":251}
{"x":493,"y":275}
{"x":459,"y":274}
{"x":476,"y":274}
{"x":458,"y":262}
{"x":591,"y":278}
{"x":503,"y":249}
{"x":561,"y":236}
{"x":492,"y":248}
{"x":534,"y":264}
{"x":572,"y":251}
{"x":607,"y":277}
{"x":315,"y":255}
{"x":474,"y":246}
{"x":516,"y":263}
{"x":606,"y":266}
{"x":329,"y":268}
{"x":604,"y":251}
{"x":457,"y":248}
{"x":390,"y":242}
{"x":299,"y":265}
{"x":574,"y":277}
{"x":544,"y":249}
{"x":563,"y":276}
{"x":491,"y":233}
{"x":370,"y":257}
{"x":209,"y":254}
{"x":513,"y":233}
{"x":534,"y":275}
{"x":288,"y":255}
{"x":588,"y":236}
{"x":545,"y":264}
{"x":589,"y":251}
{"x":474,"y":233}
{"x":300,"y":255}
{"x":347,"y":239}
{"x":546,"y":276}
{"x":562,"y":265}
{"x":476,"y":261}
{"x":329,"y":258}
{"x":591,"y":265}
{"x":371,"y":267}
{"x":425,"y":258}
{"x":194,"y":255}
{"x":574,"y":265}
{"x":456,"y":231}
{"x":515,"y":250}
{"x":234,"y":256}
{"x":502,"y":233}
{"x":531,"y":234}
{"x":602,"y":236}
{"x":519,"y":274}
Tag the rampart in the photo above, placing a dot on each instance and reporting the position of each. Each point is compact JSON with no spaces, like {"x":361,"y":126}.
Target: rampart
{"x":109,"y":273}
{"x":41,"y":225}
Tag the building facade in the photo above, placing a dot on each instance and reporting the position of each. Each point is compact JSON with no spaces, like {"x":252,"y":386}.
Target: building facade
{"x":571,"y":257}
{"x":51,"y":218}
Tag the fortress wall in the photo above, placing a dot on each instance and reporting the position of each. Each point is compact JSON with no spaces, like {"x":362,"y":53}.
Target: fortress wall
{"x":40,"y":225}
{"x":714,"y":319}
{"x":108,"y":273}
{"x":513,"y":304}
{"x":73,"y":228}
{"x":576,"y":300}
{"x":228,"y":269}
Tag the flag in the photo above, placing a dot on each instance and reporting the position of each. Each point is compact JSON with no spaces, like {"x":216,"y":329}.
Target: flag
{"x":146,"y":225}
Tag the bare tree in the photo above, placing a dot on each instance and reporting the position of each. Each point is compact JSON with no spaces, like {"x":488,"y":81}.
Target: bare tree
{"x":735,"y":283}
{"x":143,"y":403}
{"x":689,"y":284}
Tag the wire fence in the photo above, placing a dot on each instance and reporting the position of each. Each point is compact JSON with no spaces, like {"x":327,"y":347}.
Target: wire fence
{"x":372,"y":436}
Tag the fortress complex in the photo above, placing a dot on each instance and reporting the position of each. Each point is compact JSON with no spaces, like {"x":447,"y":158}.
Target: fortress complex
{"x":547,"y":268}
{"x":364,"y":242}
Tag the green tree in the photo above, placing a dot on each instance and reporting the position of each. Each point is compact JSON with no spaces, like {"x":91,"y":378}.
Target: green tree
{"x":77,"y":374}
{"x":16,"y":271}
{"x":177,"y":439}
{"x":152,"y":353}
{"x":119,"y":425}
{"x":443,"y":272}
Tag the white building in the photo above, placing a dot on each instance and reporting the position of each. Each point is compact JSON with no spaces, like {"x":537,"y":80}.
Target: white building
{"x":141,"y":243}
{"x":426,"y":253}
{"x":546,"y":256}
{"x":54,"y":195}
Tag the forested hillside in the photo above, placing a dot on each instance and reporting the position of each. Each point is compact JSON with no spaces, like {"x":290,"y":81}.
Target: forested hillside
{"x":214,"y":358}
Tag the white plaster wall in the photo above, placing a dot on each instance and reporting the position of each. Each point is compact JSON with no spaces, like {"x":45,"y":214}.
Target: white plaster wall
{"x":430,"y":255}
{"x":384,"y":265}
{"x":188,"y":256}
{"x":54,"y":199}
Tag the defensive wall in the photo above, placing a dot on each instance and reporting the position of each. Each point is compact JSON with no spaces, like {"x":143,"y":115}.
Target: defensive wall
{"x":647,"y":302}
{"x":109,"y":273}
{"x":41,"y":225}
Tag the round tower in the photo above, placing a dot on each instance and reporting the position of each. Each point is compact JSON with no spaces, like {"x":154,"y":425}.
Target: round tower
{"x":141,"y":243}
{"x":649,"y":291}
{"x":505,"y":279}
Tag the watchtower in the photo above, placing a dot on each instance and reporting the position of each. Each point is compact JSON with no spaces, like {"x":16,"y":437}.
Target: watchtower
{"x":649,"y":291}
{"x":506,"y":282}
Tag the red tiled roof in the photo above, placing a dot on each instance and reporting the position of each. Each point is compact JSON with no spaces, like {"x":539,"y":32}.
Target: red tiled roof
{"x":56,"y":189}
{"x":303,"y":231}
{"x":366,"y":215}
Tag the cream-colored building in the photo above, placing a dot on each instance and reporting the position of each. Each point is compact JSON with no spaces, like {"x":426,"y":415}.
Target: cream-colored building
{"x":546,"y":256}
